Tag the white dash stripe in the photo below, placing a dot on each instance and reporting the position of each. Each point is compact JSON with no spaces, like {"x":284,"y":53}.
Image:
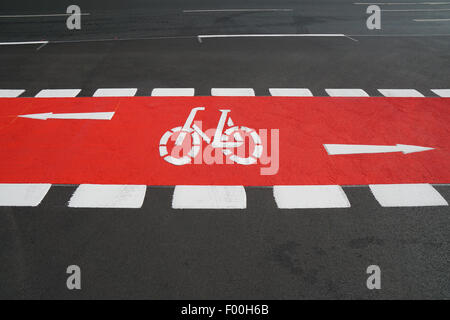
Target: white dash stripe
{"x":346,"y":93}
{"x":173,"y":92}
{"x":400,"y":93}
{"x":10,"y":93}
{"x":445,"y":93}
{"x":108,"y":196}
{"x":237,"y":92}
{"x":430,"y":20}
{"x":236,"y":10}
{"x":15,"y":43}
{"x":115,"y":92}
{"x":407,"y":195}
{"x":290,"y":92}
{"x":209,"y":197}
{"x":269,"y":35}
{"x":43,"y":15}
{"x":310,"y":197}
{"x":58,"y":93}
{"x":23,"y":195}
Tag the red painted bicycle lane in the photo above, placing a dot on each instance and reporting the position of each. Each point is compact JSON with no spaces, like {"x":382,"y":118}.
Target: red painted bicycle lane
{"x":125,"y":149}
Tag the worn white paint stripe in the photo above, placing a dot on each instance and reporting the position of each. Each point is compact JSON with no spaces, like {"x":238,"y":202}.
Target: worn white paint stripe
{"x":308,"y":197}
{"x":445,"y":93}
{"x":290,"y":92}
{"x":23,"y":195}
{"x":10,"y":93}
{"x":400,"y":3}
{"x":400,"y":93}
{"x":268,"y":35}
{"x":173,"y":92}
{"x":430,"y":20}
{"x":407,"y":195}
{"x":414,"y":10}
{"x":115,"y":92}
{"x":346,"y":93}
{"x":209,"y":197}
{"x":15,"y":43}
{"x":237,"y":92}
{"x":108,"y":196}
{"x":58,"y":93}
{"x":236,"y":10}
{"x":44,"y":15}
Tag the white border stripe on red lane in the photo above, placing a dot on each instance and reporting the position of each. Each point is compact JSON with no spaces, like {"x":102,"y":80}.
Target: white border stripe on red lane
{"x":400,"y":93}
{"x":115,"y":92}
{"x":58,"y":93}
{"x":22,"y":194}
{"x":173,"y":92}
{"x":108,"y":196}
{"x":235,"y":92}
{"x":290,"y":92}
{"x":346,"y":93}
{"x":11,"y":93}
{"x":209,"y":197}
{"x":310,"y":197}
{"x":407,"y":195}
{"x":445,"y":93}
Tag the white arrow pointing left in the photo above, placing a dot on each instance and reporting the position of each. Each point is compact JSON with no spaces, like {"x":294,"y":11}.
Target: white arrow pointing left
{"x":73,"y":116}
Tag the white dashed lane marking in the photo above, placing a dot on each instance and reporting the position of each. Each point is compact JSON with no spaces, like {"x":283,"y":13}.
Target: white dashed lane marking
{"x":209,"y":197}
{"x":173,"y":92}
{"x":290,"y":92}
{"x":11,"y":93}
{"x":108,"y":196}
{"x":58,"y":93}
{"x":22,"y":195}
{"x":346,"y":93}
{"x":400,"y":93}
{"x":407,"y":195}
{"x":115,"y":92}
{"x":445,"y":93}
{"x":235,"y":92}
{"x":308,"y":197}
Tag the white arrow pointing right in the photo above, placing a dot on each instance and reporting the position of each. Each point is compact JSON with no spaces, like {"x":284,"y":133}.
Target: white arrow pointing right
{"x":334,"y":149}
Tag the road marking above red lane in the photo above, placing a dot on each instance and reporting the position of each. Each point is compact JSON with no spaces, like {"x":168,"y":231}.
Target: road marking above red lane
{"x":124,"y":150}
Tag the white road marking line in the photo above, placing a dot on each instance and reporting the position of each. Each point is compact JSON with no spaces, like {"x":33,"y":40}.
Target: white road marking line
{"x":430,"y":20}
{"x":238,"y":92}
{"x":22,"y":194}
{"x":340,"y":149}
{"x":173,"y":92}
{"x":22,"y":42}
{"x":413,"y":10}
{"x":400,"y":3}
{"x":236,"y":10}
{"x":10,"y":93}
{"x":445,"y":93}
{"x":72,"y":116}
{"x":290,"y":92}
{"x":209,"y":197}
{"x":257,"y":35}
{"x":407,"y":195}
{"x":309,"y":197}
{"x":400,"y":93}
{"x":58,"y":93}
{"x":346,"y":92}
{"x":108,"y":196}
{"x":115,"y":92}
{"x":43,"y":15}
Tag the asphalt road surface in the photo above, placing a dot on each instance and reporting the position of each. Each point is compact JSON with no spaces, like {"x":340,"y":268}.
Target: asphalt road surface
{"x":261,"y":252}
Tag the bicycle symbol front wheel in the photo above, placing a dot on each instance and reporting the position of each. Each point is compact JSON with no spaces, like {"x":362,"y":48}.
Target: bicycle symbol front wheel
{"x":258,"y":146}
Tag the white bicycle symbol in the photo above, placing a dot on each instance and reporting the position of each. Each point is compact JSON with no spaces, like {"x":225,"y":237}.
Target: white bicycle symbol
{"x":220,"y":140}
